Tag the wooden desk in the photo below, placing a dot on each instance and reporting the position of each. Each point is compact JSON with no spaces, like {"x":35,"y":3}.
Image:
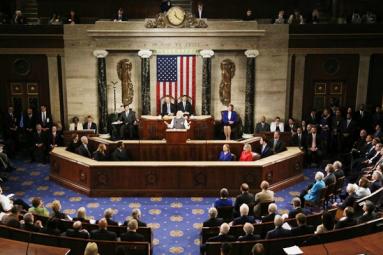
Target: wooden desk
{"x":368,"y":244}
{"x":68,"y":135}
{"x":172,"y":178}
{"x":160,"y":150}
{"x":19,"y":248}
{"x":153,"y":127}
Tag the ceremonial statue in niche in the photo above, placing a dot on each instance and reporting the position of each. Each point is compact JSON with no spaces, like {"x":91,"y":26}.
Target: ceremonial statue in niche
{"x":124,"y":71}
{"x":227,"y":73}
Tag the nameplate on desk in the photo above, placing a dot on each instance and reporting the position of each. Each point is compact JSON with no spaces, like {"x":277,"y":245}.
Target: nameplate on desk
{"x":176,"y":130}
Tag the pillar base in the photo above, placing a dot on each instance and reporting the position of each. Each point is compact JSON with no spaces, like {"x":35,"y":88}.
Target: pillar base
{"x":247,"y":136}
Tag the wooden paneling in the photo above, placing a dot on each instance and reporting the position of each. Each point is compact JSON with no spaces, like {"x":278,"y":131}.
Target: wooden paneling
{"x":330,"y":68}
{"x":37,"y":67}
{"x":375,"y":86}
{"x":188,"y":178}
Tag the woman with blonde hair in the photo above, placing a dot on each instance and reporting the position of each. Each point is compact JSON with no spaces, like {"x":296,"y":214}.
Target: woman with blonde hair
{"x":56,"y":211}
{"x":247,"y":153}
{"x":101,"y":153}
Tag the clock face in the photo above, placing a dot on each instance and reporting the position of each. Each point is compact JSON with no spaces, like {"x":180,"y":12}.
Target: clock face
{"x":176,"y":16}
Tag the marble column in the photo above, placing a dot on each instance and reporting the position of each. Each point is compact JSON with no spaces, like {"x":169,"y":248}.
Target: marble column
{"x":250,"y":93}
{"x":299,"y":80}
{"x":363,"y":76}
{"x":206,"y":81}
{"x":145,"y":80}
{"x":102,"y":91}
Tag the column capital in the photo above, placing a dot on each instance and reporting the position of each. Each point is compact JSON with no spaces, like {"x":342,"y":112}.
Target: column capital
{"x":206,"y":53}
{"x":100,"y":53}
{"x":145,"y":53}
{"x":251,"y":53}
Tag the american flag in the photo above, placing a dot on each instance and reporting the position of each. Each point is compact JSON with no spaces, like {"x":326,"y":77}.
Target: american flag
{"x":176,"y":77}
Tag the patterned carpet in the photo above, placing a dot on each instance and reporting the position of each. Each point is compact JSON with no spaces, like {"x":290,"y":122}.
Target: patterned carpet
{"x":176,"y":221}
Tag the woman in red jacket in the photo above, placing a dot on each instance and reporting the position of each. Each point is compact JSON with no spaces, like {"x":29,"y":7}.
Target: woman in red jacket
{"x":247,"y":153}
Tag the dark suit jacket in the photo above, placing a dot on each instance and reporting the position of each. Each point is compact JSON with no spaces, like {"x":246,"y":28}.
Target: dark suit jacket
{"x":279,"y":147}
{"x":141,"y":224}
{"x":366,"y":217}
{"x":295,"y":211}
{"x":132,"y":237}
{"x":120,"y":155}
{"x":339,"y":173}
{"x":40,"y":138}
{"x":266,"y":152}
{"x":348,"y":222}
{"x":242,"y":220}
{"x":350,"y":129}
{"x":222,"y":238}
{"x":349,"y":201}
{"x":83,"y":152}
{"x":128,"y":120}
{"x":244,"y":198}
{"x":99,"y":156}
{"x":93,"y":126}
{"x":250,"y":237}
{"x":268,"y":218}
{"x":329,"y":179}
{"x":289,"y":129}
{"x":295,"y":141}
{"x":215,"y":222}
{"x":102,"y":234}
{"x":259,"y":128}
{"x":29,"y":122}
{"x":164,"y":109}
{"x":302,"y":230}
{"x":76,"y":234}
{"x":375,"y":186}
{"x":31,"y":227}
{"x":72,"y":147}
{"x":278,"y":232}
{"x":47,"y":124}
{"x":188,"y":107}
{"x":57,"y":140}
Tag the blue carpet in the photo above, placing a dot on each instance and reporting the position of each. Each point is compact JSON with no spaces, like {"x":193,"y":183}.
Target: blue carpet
{"x":176,"y":221}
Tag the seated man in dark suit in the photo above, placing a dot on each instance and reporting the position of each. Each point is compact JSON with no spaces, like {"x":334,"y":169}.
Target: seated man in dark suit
{"x":213,"y":221}
{"x":330,"y":176}
{"x":299,"y":139}
{"x":223,"y":235}
{"x":297,"y":208}
{"x":348,"y":219}
{"x":129,"y":122}
{"x":30,"y":224}
{"x":108,"y":214}
{"x":302,"y":228}
{"x":40,"y":145}
{"x":102,"y":232}
{"x":244,"y":212}
{"x":248,"y":228}
{"x":244,"y":198}
{"x":276,"y":144}
{"x":185,"y":106}
{"x":83,"y":149}
{"x":272,"y":213}
{"x":136,"y":214}
{"x":265,"y":149}
{"x":55,"y":138}
{"x":262,"y":126}
{"x":120,"y":153}
{"x":278,"y":231}
{"x":368,"y":212}
{"x":132,"y":234}
{"x":376,"y":181}
{"x":77,"y":231}
{"x":168,"y":108}
{"x":338,"y":171}
{"x":89,"y":124}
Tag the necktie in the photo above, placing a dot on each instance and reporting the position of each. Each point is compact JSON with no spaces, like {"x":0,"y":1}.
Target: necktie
{"x":277,"y":127}
{"x":299,"y":139}
{"x":44,"y":118}
{"x":75,"y":126}
{"x":89,"y":125}
{"x":184,"y":106}
{"x":169,"y":111}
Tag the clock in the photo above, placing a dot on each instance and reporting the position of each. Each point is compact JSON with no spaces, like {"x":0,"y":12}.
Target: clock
{"x":176,"y":16}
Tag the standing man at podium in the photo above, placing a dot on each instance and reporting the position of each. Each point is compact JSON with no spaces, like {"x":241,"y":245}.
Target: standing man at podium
{"x":185,"y":106}
{"x":179,"y":122}
{"x":129,"y":121}
{"x":168,"y":108}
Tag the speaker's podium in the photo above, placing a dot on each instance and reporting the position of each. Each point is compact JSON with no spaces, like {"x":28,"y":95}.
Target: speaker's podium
{"x":176,"y":136}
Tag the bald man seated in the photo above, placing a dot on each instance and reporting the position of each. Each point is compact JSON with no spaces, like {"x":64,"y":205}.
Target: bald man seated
{"x":102,"y":232}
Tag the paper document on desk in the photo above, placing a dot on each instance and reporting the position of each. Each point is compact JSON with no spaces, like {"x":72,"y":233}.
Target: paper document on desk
{"x":293,"y":250}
